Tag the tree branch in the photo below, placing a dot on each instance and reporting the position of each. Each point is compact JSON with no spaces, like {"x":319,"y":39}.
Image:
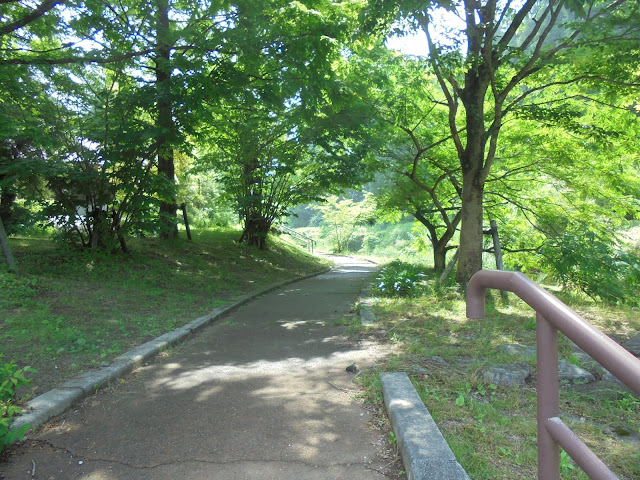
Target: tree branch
{"x":43,"y":8}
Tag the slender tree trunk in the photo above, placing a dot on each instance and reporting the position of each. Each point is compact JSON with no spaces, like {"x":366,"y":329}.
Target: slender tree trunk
{"x":439,"y":245}
{"x":165,"y":124}
{"x":183,"y":207}
{"x":7,"y":200}
{"x":439,"y":257}
{"x":449,"y":268}
{"x":6,"y":250}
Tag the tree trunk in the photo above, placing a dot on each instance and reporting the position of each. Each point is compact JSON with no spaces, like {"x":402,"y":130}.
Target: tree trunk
{"x":165,"y":124}
{"x":497,"y":250}
{"x":439,"y":245}
{"x":7,"y":200}
{"x":6,"y":250}
{"x":448,"y":268}
{"x":255,"y":231}
{"x":439,"y":256}
{"x":471,"y":234}
{"x":472,"y":161}
{"x":183,"y":207}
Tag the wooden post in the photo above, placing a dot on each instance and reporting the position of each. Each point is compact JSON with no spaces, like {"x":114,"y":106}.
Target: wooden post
{"x":186,"y":219}
{"x":496,"y":245}
{"x":448,"y":268}
{"x":498,"y":251}
{"x":6,"y":250}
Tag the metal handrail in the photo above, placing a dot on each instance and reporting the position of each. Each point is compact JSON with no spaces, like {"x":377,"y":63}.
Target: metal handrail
{"x":300,"y":236}
{"x":553,"y":315}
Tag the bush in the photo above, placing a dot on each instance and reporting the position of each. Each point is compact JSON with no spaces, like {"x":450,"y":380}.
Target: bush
{"x":12,"y":379}
{"x":400,"y":279}
{"x":594,"y":265}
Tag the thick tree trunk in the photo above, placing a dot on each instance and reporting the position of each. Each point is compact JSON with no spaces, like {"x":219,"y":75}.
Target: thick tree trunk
{"x":165,"y":124}
{"x":472,"y":161}
{"x":255,"y":231}
{"x":7,"y":200}
{"x":168,"y":208}
{"x":471,"y":235}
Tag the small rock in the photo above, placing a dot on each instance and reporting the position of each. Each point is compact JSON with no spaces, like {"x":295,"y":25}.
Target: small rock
{"x":508,"y":374}
{"x":438,"y":360}
{"x":625,"y":434}
{"x":607,"y":376}
{"x":633,"y":346}
{"x":587,"y":361}
{"x":517,"y":350}
{"x":573,"y":373}
{"x":467,"y":361}
{"x":352,"y":368}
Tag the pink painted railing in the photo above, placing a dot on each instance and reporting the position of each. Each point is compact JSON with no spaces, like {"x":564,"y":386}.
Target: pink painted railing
{"x":553,"y":315}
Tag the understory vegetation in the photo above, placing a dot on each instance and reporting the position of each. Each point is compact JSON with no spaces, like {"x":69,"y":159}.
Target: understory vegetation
{"x":491,"y":428}
{"x":608,"y":270}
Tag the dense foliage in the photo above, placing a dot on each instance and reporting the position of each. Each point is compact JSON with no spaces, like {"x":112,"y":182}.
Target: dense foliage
{"x":527,"y":114}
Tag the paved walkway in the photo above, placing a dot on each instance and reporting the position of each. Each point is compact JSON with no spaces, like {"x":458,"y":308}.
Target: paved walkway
{"x":258,"y":395}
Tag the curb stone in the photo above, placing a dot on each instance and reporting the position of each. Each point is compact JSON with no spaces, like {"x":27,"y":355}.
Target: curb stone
{"x":425,"y":452}
{"x":50,"y":404}
{"x":367,"y":317}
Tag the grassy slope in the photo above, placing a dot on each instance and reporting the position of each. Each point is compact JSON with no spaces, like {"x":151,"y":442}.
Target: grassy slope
{"x":492,"y":429}
{"x":70,"y":311}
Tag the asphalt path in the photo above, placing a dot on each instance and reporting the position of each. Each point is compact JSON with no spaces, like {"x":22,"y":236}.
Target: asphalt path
{"x":261,"y":394}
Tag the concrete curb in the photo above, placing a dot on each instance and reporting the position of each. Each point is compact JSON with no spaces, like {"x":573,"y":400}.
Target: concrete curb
{"x":367,"y":317}
{"x":54,"y":402}
{"x":425,"y":452}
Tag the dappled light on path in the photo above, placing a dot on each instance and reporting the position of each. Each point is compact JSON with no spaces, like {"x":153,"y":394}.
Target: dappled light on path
{"x":261,"y":394}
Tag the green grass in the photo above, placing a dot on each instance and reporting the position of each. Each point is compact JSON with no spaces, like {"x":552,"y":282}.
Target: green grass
{"x":69,"y":311}
{"x":492,"y":429}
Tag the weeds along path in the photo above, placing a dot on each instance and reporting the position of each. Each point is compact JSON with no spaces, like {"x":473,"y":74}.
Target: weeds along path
{"x":262,"y":394}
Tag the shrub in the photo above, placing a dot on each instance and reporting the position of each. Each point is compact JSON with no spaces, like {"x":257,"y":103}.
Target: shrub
{"x":11,"y":379}
{"x":398,"y":279}
{"x":595,"y":265}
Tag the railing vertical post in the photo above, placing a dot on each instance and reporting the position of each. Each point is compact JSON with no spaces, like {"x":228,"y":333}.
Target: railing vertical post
{"x":548,"y":398}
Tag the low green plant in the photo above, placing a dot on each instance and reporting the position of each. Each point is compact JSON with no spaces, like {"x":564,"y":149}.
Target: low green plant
{"x":628,"y":402}
{"x":592,"y":263}
{"x":12,"y":378}
{"x":400,"y":279}
{"x":566,"y":465}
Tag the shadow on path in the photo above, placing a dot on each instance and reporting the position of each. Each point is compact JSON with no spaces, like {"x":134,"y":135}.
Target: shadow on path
{"x":258,"y":395}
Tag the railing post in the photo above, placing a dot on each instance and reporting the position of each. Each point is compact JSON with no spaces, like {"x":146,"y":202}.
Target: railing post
{"x":553,"y":316}
{"x":548,"y":398}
